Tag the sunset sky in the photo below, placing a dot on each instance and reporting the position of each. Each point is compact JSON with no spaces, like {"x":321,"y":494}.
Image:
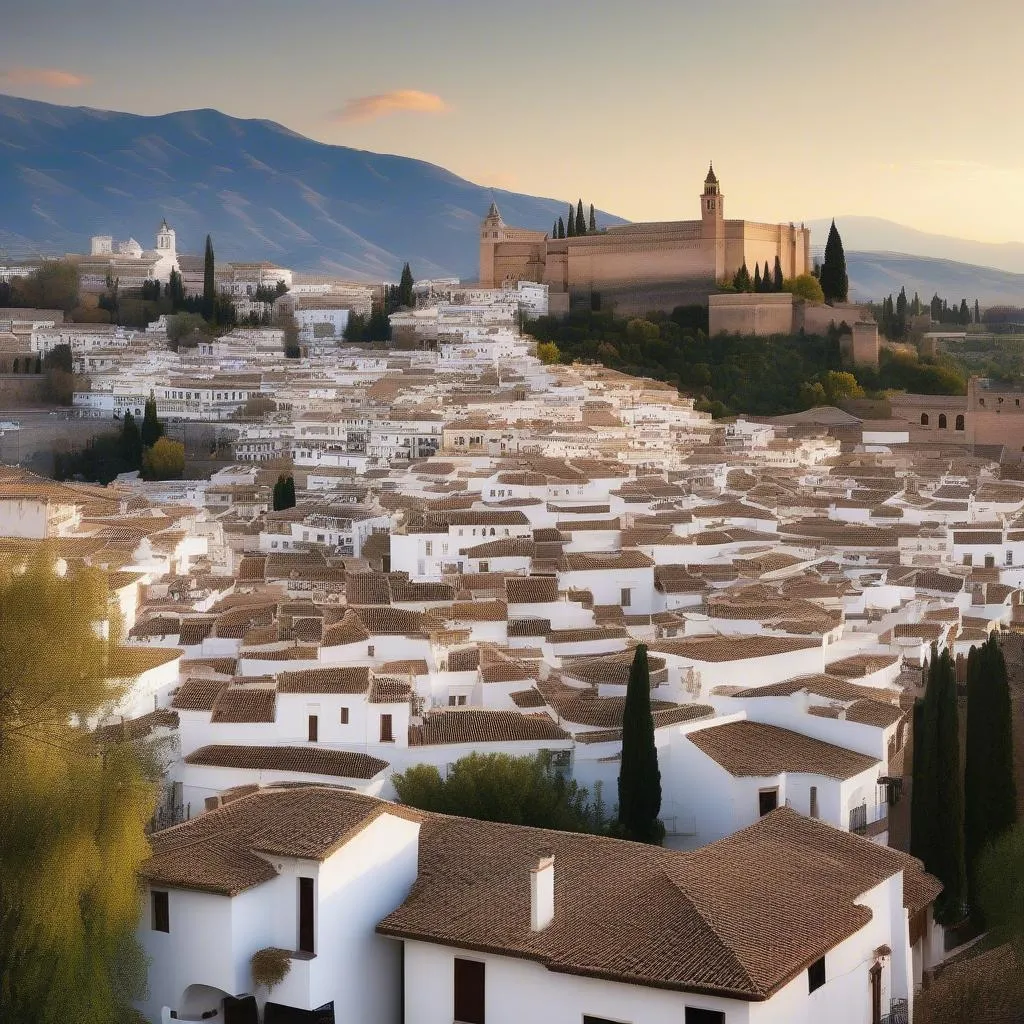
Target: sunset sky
{"x":904,"y":109}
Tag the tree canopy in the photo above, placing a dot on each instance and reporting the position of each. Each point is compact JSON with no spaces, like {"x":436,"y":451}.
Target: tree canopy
{"x":804,"y":286}
{"x":835,"y":281}
{"x":164,"y":461}
{"x":74,"y":812}
{"x":500,"y":787}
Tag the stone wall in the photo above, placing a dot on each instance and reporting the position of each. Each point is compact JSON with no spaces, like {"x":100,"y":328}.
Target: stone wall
{"x":19,"y":391}
{"x":762,"y":315}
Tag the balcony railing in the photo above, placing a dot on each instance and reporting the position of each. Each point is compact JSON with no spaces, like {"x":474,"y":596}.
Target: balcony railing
{"x":899,"y":1012}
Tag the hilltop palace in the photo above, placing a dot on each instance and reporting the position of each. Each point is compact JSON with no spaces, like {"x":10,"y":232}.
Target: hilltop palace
{"x":640,"y":266}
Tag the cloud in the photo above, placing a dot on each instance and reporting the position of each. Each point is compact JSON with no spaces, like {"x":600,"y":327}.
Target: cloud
{"x":52,"y":78}
{"x":369,"y":108}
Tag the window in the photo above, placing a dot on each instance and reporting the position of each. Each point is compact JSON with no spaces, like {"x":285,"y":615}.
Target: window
{"x":816,"y":975}
{"x":386,"y":734}
{"x":469,"y":991}
{"x":485,"y":566}
{"x":457,"y":700}
{"x":942,"y":421}
{"x":767,"y":801}
{"x":369,"y":650}
{"x":695,"y":1016}
{"x":314,"y":723}
{"x":306,"y":929}
{"x":814,"y":801}
{"x":161,"y":912}
{"x":924,"y":419}
{"x":625,"y":597}
{"x":959,"y":423}
{"x":343,"y":716}
{"x":428,"y":548}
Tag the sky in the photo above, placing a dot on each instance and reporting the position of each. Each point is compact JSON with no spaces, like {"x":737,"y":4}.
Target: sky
{"x":902,"y":109}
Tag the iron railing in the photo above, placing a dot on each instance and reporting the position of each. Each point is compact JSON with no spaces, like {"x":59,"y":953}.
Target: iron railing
{"x":899,"y":1012}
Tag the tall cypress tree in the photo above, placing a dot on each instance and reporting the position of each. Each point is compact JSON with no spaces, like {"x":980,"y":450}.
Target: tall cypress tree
{"x":990,"y":795}
{"x":570,"y":223}
{"x":405,"y":288}
{"x":131,"y":441}
{"x":778,"y":282}
{"x":209,"y":281}
{"x":835,"y":282}
{"x":561,"y":228}
{"x":152,"y":429}
{"x":741,"y":280}
{"x":921,"y":793}
{"x":581,"y":221}
{"x":554,"y":230}
{"x":593,"y":219}
{"x":639,"y":775}
{"x":289,"y":492}
{"x":766,"y":278}
{"x":757,"y":279}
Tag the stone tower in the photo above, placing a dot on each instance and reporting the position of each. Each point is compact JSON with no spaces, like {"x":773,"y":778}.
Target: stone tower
{"x":712,"y":216}
{"x":492,"y":231}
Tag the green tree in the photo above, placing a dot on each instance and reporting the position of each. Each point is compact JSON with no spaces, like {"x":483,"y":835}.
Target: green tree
{"x":53,"y":286}
{"x":184,"y":330}
{"x":965,"y":313}
{"x":74,"y":811}
{"x":547,"y":352}
{"x":570,"y":223}
{"x":758,"y":287}
{"x":554,"y":229}
{"x":286,"y":322}
{"x":174,"y":290}
{"x":741,"y":281}
{"x":593,"y":219}
{"x":766,"y":278}
{"x":405,"y":296}
{"x":561,"y":228}
{"x":164,"y":461}
{"x":581,"y":221}
{"x":499,"y":787}
{"x":777,"y":279}
{"x":284,"y":493}
{"x":1001,"y":888}
{"x":152,"y":428}
{"x":915,"y":306}
{"x":977,"y":312}
{"x":804,"y":287}
{"x":840,"y":386}
{"x":209,"y":282}
{"x":990,"y":794}
{"x":131,"y":441}
{"x":835,"y":283}
{"x":639,"y":775}
{"x":938,"y":789}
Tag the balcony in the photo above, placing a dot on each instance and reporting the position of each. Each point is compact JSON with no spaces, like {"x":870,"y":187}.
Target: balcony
{"x":899,"y":1013}
{"x":869,"y":821}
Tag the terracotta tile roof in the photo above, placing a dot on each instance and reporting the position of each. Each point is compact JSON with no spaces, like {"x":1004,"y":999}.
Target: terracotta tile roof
{"x":531,"y":589}
{"x":352,"y":679}
{"x":313,"y":760}
{"x":408,"y":666}
{"x":608,"y":669}
{"x":368,"y":588}
{"x":396,"y":621}
{"x":530,"y":698}
{"x":597,"y":561}
{"x":389,"y":690}
{"x":529,"y":627}
{"x":405,"y":591}
{"x":350,"y":630}
{"x":244,"y":704}
{"x":465,"y":660}
{"x":732,"y":648}
{"x":198,"y":694}
{"x":700,"y":922}
{"x":504,"y":547}
{"x":194,"y":631}
{"x":831,"y":687}
{"x":585,"y":634}
{"x":479,"y":726}
{"x":216,"y":851}
{"x":128,"y":662}
{"x":860,"y":665}
{"x":505,"y":672}
{"x":754,"y":749}
{"x":138,"y":728}
{"x":475,"y":611}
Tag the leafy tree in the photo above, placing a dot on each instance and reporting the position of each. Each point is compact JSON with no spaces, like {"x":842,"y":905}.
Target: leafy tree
{"x":840,"y":386}
{"x":74,"y":810}
{"x":639,"y":775}
{"x":183,"y":329}
{"x":581,"y":221}
{"x":547,"y":352}
{"x":561,"y":228}
{"x":405,"y":296}
{"x":570,"y":223}
{"x":499,"y":787}
{"x":835,"y":283}
{"x":54,"y":285}
{"x":164,"y":461}
{"x":990,"y":795}
{"x":593,"y":219}
{"x":58,"y":366}
{"x":152,"y":428}
{"x":777,"y":279}
{"x":209,"y":282}
{"x":938,"y":789}
{"x":804,"y":287}
{"x":131,"y":441}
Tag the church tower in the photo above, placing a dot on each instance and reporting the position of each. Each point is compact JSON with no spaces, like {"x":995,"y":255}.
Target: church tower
{"x":712,"y":216}
{"x":165,"y":241}
{"x":492,"y":231}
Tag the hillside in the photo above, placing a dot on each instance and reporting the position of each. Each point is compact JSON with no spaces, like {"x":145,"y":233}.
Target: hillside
{"x":261,"y":190}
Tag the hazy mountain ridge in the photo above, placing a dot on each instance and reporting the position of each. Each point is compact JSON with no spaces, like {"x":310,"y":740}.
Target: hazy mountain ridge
{"x":261,"y":190}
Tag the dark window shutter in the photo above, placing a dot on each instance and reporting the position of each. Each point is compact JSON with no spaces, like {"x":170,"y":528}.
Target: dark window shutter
{"x":469,"y":991}
{"x":306,"y":909}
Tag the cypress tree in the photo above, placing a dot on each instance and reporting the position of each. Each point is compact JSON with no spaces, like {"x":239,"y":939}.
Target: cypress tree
{"x":990,"y":796}
{"x":561,"y":228}
{"x":977,"y":312}
{"x":131,"y":441}
{"x":405,"y":297}
{"x":209,"y":281}
{"x":570,"y":224}
{"x":835,"y":282}
{"x":777,"y":283}
{"x":277,"y":499}
{"x":741,"y":280}
{"x":757,"y":278}
{"x":639,"y":775}
{"x":766,"y":278}
{"x":920,"y":791}
{"x":581,"y":221}
{"x":152,"y":429}
{"x":289,"y":492}
{"x":554,"y":229}
{"x":593,"y":218}
{"x":915,"y":306}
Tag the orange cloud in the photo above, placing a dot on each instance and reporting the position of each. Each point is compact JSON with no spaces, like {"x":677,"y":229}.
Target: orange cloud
{"x":52,"y":78}
{"x":368,"y":108}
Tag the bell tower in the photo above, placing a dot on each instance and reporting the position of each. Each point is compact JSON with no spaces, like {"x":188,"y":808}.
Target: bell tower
{"x":165,"y":241}
{"x":492,"y":231}
{"x":712,"y":217}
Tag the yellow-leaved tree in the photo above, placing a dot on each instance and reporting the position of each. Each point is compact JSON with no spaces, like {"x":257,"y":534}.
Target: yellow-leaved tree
{"x":73,"y":811}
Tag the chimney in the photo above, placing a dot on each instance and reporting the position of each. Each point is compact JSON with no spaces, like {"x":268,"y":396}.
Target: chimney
{"x":542,"y":894}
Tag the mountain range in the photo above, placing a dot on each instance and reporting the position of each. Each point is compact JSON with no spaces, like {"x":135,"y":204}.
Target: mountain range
{"x":265,"y":192}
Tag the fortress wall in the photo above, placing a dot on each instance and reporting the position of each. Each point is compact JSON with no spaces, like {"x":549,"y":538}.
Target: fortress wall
{"x":639,"y":264}
{"x":762,"y":315}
